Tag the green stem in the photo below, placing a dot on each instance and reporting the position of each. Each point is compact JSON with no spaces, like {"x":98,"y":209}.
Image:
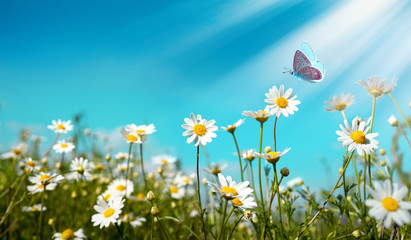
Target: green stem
{"x":199,"y":192}
{"x":152,"y":226}
{"x":239,"y":157}
{"x":223,"y":220}
{"x":279,"y":200}
{"x":358,"y":179}
{"x":128,"y":163}
{"x":229,"y":215}
{"x":328,"y":198}
{"x":142,"y":165}
{"x":365,"y":184}
{"x":405,"y":135}
{"x":161,"y":225}
{"x":374,"y":100}
{"x":343,"y":113}
{"x":259,"y":168}
{"x":273,"y":193}
{"x":275,"y":139}
{"x":41,"y":214}
{"x":232,"y":231}
{"x":399,"y":109}
{"x":119,"y":231}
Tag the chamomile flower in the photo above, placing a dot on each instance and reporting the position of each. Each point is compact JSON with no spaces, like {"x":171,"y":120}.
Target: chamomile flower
{"x":31,"y":165}
{"x":165,"y":160}
{"x":130,"y":218}
{"x":232,"y":128}
{"x":280,"y":102}
{"x":131,"y":137}
{"x":177,"y":192}
{"x":229,"y":189}
{"x":339,"y":103}
{"x":60,"y":126}
{"x":295,"y":182}
{"x":387,"y":205}
{"x":16,"y":151}
{"x":249,"y":215}
{"x":121,"y":156}
{"x":215,"y":168}
{"x":199,"y":130}
{"x":393,"y":121}
{"x":184,"y":180}
{"x":81,"y":169}
{"x":122,"y":168}
{"x":44,"y":181}
{"x":377,"y":87}
{"x":63,"y":147}
{"x":34,"y":208}
{"x":248,"y":154}
{"x":272,"y":157}
{"x":141,"y":130}
{"x":357,"y":137}
{"x":260,"y":115}
{"x":108,"y":212}
{"x":118,"y":187}
{"x":69,"y":234}
{"x":244,"y":202}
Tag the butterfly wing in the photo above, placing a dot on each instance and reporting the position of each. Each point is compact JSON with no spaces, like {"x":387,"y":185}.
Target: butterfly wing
{"x":310,"y":74}
{"x":300,"y":61}
{"x":307,"y":50}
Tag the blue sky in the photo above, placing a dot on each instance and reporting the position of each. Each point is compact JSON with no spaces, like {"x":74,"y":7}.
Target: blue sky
{"x":157,"y":61}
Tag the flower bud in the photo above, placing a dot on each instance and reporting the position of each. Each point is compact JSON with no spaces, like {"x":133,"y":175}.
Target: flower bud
{"x":150,"y":196}
{"x":155,"y":211}
{"x":393,"y":121}
{"x":383,"y":163}
{"x":108,"y":157}
{"x":285,"y":171}
{"x":382,"y":152}
{"x":43,"y":160}
{"x":267,"y":149}
{"x":356,"y":233}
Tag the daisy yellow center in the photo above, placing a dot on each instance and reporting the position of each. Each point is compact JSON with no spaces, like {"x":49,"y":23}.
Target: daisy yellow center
{"x":281,"y":102}
{"x":67,"y":234}
{"x":61,"y":127}
{"x":140,"y":195}
{"x":341,"y":106}
{"x":390,"y":204}
{"x":107,"y":197}
{"x":80,"y":169}
{"x":375,"y":91}
{"x":216,"y":171}
{"x":109,"y":212}
{"x":122,"y":168}
{"x":185,"y":180}
{"x":63,"y":145}
{"x":17,"y":151}
{"x":358,"y":137}
{"x":131,"y":138}
{"x":41,"y":186}
{"x":261,"y":118}
{"x":44,"y":177}
{"x":199,"y":129}
{"x":31,"y":164}
{"x":34,"y":208}
{"x":164,"y":161}
{"x":121,"y":187}
{"x":173,"y":189}
{"x":141,"y":132}
{"x":237,"y":202}
{"x":229,"y":190}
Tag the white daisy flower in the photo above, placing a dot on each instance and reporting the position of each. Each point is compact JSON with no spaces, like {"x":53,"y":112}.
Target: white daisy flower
{"x":280,"y":102}
{"x":377,"y":87}
{"x":47,"y":181}
{"x":130,"y":218}
{"x":249,"y":215}
{"x":393,"y":121}
{"x":184,"y":180}
{"x":122,"y":168}
{"x":139,"y":197}
{"x":31,"y":165}
{"x":132,"y":137}
{"x":272,"y":157}
{"x":81,"y":169}
{"x":260,"y":115}
{"x":16,"y":151}
{"x":108,"y":212}
{"x":229,"y":189}
{"x":244,"y":202}
{"x":164,"y":160}
{"x":118,"y":187}
{"x":177,"y":192}
{"x":232,"y":128}
{"x":215,"y":168}
{"x":199,"y":130}
{"x":60,"y":126}
{"x":121,"y":156}
{"x":34,"y":208}
{"x":141,"y":130}
{"x":69,"y":234}
{"x":339,"y":103}
{"x":248,"y":154}
{"x":63,"y":147}
{"x":357,"y":137}
{"x":295,"y":182}
{"x":387,"y":204}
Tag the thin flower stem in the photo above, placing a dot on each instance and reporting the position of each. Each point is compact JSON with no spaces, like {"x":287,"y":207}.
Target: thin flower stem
{"x":161,"y":225}
{"x":252,"y":174}
{"x":365,"y":184}
{"x":199,"y":192}
{"x":273,"y":193}
{"x":259,"y":168}
{"x":374,"y":100}
{"x":343,"y":113}
{"x":279,"y":200}
{"x":142,"y":165}
{"x":152,"y":226}
{"x":239,"y":157}
{"x":358,"y":179}
{"x":223,"y":220}
{"x":232,"y":231}
{"x":328,"y":198}
{"x":229,"y":215}
{"x":41,"y":215}
{"x":119,"y":231}
{"x":405,"y":135}
{"x":51,"y":146}
{"x":275,"y":139}
{"x":128,"y":162}
{"x":399,"y":109}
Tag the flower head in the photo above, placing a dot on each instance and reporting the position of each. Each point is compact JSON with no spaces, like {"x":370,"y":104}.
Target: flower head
{"x":229,"y":189}
{"x":31,"y":165}
{"x":387,"y":205}
{"x":357,"y":137}
{"x":81,"y":169}
{"x":260,"y":115}
{"x":141,"y":130}
{"x":248,"y":154}
{"x":339,"y":103}
{"x":272,"y":157}
{"x":393,"y":121}
{"x":69,"y":234}
{"x":199,"y":130}
{"x":281,"y":102}
{"x":249,"y":215}
{"x":377,"y":87}
{"x":44,"y":181}
{"x":121,"y":187}
{"x":63,"y":147}
{"x":215,"y":168}
{"x":164,"y":160}
{"x":244,"y":202}
{"x":108,"y":212}
{"x":60,"y":126}
{"x":121,"y":156}
{"x":34,"y":208}
{"x":232,"y":128}
{"x":176,"y":191}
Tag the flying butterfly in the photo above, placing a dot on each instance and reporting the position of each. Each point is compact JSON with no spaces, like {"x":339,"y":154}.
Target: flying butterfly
{"x":306,"y":66}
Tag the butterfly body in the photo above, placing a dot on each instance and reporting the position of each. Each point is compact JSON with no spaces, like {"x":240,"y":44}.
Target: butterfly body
{"x":306,"y":67}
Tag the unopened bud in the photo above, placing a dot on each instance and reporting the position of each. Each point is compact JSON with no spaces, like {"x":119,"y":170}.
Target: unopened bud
{"x":356,"y":234}
{"x":87,"y":131}
{"x":383,"y":163}
{"x":160,"y":170}
{"x":267,"y":149}
{"x":382,"y":152}
{"x":173,"y":204}
{"x":205,"y":181}
{"x":51,"y":221}
{"x":73,"y":194}
{"x":155,"y":211}
{"x":108,"y":157}
{"x":43,"y":160}
{"x":150,"y":196}
{"x":58,"y":165}
{"x":393,"y":121}
{"x":285,"y":171}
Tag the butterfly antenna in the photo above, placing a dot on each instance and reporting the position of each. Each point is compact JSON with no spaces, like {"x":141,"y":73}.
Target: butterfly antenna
{"x":288,"y":70}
